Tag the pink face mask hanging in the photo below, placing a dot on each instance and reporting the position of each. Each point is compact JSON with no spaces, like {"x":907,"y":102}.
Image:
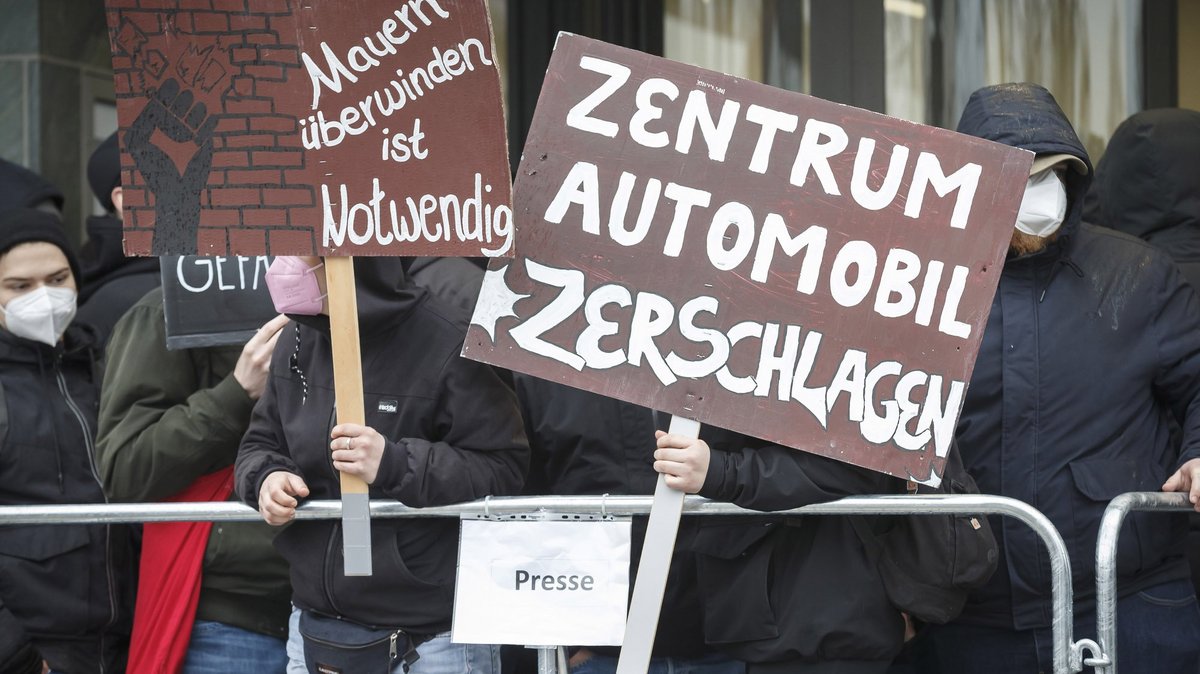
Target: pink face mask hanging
{"x":294,"y":287}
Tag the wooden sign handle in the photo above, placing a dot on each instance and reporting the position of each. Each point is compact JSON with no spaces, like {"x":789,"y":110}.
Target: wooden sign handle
{"x":348,"y":392}
{"x":642,"y":623}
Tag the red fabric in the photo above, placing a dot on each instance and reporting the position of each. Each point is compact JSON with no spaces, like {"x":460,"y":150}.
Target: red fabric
{"x":169,"y":582}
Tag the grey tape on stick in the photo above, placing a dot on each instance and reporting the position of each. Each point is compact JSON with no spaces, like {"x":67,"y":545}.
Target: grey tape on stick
{"x":356,"y":534}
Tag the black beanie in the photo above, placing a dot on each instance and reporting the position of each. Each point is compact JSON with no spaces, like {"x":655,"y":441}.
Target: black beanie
{"x":104,"y":171}
{"x":26,"y":225}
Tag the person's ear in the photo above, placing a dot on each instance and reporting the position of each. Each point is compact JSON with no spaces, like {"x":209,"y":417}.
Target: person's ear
{"x":118,"y":199}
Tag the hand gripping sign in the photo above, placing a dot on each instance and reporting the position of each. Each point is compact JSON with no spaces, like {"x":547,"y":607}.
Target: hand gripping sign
{"x":294,"y":127}
{"x":801,"y":271}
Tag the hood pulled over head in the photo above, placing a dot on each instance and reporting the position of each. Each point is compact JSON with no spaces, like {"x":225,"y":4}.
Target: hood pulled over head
{"x":1027,"y":116}
{"x":1148,"y":181}
{"x":384,"y":291}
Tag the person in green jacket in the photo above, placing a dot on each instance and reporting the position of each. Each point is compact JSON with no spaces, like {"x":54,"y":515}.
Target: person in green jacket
{"x":169,"y":420}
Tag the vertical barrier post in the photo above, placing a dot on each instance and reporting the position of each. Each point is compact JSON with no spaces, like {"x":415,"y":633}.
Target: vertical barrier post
{"x":548,"y":660}
{"x":1106,"y":566}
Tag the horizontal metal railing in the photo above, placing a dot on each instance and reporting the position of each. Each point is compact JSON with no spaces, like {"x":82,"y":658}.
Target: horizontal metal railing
{"x":1106,"y":565}
{"x":1065,"y":652}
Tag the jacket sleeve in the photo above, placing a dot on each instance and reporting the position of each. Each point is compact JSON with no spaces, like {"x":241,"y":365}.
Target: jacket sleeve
{"x":263,"y":450}
{"x":481,"y":448}
{"x":158,"y":430}
{"x":771,"y":477}
{"x":1177,"y":380}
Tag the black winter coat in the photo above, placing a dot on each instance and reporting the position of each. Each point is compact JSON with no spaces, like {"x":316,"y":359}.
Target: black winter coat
{"x":67,"y":589}
{"x":1091,"y":346}
{"x":1148,"y":185}
{"x":794,"y":589}
{"x":453,"y":432}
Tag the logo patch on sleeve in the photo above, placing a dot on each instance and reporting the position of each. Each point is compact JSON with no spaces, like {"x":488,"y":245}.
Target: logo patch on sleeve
{"x":389,"y":406}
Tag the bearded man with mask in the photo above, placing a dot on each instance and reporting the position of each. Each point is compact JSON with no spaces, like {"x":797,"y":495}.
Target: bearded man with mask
{"x":1092,"y":345}
{"x":65,"y":590}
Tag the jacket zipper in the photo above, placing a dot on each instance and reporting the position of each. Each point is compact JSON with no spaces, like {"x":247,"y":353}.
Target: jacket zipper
{"x":329,"y":452}
{"x":90,"y":448}
{"x":329,"y":548}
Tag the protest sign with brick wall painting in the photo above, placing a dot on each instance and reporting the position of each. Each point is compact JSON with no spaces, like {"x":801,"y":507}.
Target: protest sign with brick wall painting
{"x":289,"y":127}
{"x":790,"y":268}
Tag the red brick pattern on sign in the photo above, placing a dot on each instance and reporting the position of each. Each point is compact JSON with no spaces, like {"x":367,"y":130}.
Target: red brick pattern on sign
{"x":219,"y":116}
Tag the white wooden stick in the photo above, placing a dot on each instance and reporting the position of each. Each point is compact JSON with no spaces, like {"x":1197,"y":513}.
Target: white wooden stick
{"x":657,"y":549}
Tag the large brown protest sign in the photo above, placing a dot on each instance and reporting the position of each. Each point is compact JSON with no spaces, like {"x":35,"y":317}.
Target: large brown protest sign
{"x":798,"y":270}
{"x":333,"y":127}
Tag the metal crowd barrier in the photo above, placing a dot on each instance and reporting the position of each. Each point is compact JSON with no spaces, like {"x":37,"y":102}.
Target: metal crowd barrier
{"x":1106,"y":565}
{"x":1068,"y":656}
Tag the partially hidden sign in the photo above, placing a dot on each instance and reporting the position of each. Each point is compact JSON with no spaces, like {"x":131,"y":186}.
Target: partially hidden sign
{"x":214,"y":301}
{"x":290,"y":127}
{"x":798,"y":270}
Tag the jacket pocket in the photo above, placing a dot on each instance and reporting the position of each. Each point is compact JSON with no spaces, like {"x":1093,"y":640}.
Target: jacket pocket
{"x":1145,"y":538}
{"x":393,"y":595}
{"x":46,"y":574}
{"x":37,"y":543}
{"x":734,"y":566}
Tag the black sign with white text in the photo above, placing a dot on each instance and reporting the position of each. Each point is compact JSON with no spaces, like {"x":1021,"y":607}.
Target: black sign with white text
{"x":214,"y":301}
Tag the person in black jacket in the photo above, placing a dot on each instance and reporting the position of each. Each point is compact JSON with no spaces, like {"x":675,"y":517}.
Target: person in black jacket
{"x":112,"y":283}
{"x":1091,"y":347}
{"x":1148,"y":185}
{"x":440,"y":429}
{"x":585,"y":443}
{"x":65,"y":590}
{"x":787,"y":595}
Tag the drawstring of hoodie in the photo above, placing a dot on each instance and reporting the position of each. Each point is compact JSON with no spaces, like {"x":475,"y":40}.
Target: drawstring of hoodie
{"x":1063,"y":261}
{"x":294,"y":366}
{"x":58,"y":463}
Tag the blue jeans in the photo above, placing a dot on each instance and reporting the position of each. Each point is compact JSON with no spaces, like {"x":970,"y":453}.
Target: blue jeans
{"x":1158,"y":631}
{"x":438,"y":655}
{"x":709,"y":664}
{"x":217,"y":648}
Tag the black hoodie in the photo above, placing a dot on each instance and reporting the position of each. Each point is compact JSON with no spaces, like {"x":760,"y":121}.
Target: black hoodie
{"x":66,"y":588}
{"x":112,"y":283}
{"x":453,"y":431}
{"x":1091,"y":345}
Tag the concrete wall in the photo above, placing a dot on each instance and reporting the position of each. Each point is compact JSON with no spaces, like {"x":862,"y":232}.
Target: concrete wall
{"x":54,"y":59}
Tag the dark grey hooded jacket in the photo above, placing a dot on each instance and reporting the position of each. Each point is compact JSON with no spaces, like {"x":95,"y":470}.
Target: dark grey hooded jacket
{"x":1091,"y":346}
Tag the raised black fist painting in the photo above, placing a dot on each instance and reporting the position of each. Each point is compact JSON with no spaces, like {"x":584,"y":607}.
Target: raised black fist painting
{"x":173,"y":112}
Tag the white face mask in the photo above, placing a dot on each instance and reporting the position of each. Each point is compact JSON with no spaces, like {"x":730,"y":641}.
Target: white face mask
{"x":1044,"y":206}
{"x":41,"y":315}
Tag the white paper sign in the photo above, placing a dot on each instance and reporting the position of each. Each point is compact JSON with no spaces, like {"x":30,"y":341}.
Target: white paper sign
{"x":542,"y":583}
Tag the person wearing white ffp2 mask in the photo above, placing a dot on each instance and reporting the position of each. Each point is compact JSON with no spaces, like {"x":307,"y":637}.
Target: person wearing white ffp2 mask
{"x":71,"y":607}
{"x":1044,"y":207}
{"x":37,"y":278}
